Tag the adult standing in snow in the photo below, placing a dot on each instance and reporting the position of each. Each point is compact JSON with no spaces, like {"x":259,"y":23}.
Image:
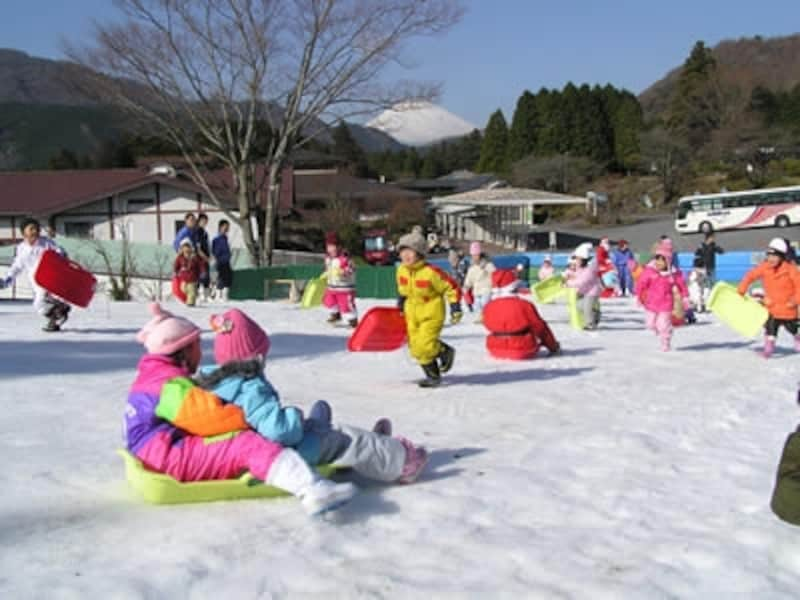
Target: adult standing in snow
{"x":188,"y":231}
{"x":707,"y":252}
{"x":622,"y":257}
{"x":204,"y":254}
{"x":222,"y":257}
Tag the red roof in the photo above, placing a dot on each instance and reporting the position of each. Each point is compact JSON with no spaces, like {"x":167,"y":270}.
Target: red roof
{"x":43,"y":193}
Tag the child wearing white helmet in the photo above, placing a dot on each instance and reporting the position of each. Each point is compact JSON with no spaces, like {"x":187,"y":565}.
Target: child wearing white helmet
{"x":587,"y":281}
{"x":781,"y":281}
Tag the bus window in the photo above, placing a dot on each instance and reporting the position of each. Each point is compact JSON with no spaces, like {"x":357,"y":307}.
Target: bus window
{"x":683,"y":209}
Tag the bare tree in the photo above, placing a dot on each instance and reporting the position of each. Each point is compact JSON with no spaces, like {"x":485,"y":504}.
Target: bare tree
{"x":244,"y":82}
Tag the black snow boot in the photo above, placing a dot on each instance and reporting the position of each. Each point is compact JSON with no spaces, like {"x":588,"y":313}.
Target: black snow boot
{"x":433,"y":376}
{"x":334,"y":318}
{"x":447,"y":356}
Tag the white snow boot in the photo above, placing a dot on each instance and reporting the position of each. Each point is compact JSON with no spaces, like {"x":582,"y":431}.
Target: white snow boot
{"x":291,"y":473}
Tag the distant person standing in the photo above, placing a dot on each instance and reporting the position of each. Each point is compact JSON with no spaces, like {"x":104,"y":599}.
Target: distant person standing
{"x":222,"y":256}
{"x":203,"y":253}
{"x":707,"y":252}
{"x":622,"y":257}
{"x":188,"y":231}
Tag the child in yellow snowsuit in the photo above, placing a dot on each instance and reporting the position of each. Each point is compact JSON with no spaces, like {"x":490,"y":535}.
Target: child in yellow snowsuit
{"x":423,"y":290}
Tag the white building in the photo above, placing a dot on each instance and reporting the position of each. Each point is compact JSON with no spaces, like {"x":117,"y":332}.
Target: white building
{"x":148,"y":205}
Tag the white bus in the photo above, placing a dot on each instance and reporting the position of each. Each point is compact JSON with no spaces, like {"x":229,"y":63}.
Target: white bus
{"x":776,"y":207}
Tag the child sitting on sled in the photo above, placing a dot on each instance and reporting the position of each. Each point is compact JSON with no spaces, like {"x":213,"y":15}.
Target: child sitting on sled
{"x":340,"y":274}
{"x":240,"y":350}
{"x":423,"y":291}
{"x":29,"y":252}
{"x":177,"y":429}
{"x":781,"y":280}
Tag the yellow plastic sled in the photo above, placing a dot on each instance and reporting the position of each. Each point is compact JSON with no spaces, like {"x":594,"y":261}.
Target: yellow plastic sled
{"x":315,"y":290}
{"x":549,"y":290}
{"x":575,"y":315}
{"x":157,"y":488}
{"x":741,"y":313}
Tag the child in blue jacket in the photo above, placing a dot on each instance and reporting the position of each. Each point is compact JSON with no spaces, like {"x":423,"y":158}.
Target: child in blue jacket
{"x":240,"y":348}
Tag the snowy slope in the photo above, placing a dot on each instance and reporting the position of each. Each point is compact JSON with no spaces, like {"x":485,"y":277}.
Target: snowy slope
{"x":420,"y":123}
{"x":614,"y":471}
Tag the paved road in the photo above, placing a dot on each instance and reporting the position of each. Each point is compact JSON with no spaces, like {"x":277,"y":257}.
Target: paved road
{"x":642,"y":235}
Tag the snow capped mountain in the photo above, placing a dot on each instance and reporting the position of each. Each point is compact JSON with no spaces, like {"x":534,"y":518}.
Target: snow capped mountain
{"x":420,"y":123}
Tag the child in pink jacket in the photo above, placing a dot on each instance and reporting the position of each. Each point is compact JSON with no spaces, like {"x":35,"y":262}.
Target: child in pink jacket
{"x":655,"y":291}
{"x":586,"y":280}
{"x":177,"y":429}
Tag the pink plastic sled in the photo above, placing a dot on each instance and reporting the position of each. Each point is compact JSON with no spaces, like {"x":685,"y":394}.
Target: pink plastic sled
{"x":382,"y":329}
{"x":65,"y":278}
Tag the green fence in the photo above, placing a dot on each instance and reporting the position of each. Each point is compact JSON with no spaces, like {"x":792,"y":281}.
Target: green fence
{"x":274,"y":283}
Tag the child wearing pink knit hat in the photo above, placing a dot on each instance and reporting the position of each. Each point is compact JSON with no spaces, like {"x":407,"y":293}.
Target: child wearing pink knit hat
{"x":175,"y":428}
{"x":240,"y":349}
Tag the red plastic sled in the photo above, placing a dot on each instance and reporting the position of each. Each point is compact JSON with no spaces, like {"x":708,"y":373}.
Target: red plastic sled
{"x":65,"y":278}
{"x":382,"y":329}
{"x":177,"y":291}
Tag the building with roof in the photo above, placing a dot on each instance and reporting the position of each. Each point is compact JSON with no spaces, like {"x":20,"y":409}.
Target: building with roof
{"x":497,"y":215}
{"x":148,"y":204}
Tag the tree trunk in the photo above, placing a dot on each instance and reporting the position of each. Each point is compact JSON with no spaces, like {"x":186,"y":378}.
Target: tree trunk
{"x":270,"y":214}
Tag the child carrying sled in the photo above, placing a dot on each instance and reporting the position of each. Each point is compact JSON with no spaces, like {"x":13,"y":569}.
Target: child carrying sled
{"x":181,"y":434}
{"x":340,"y":273}
{"x":423,"y":291}
{"x":29,"y":252}
{"x":781,"y":281}
{"x":240,"y":350}
{"x":585,"y":279}
{"x":656,"y":292}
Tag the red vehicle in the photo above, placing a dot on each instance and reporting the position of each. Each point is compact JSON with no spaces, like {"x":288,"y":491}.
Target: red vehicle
{"x":377,"y":247}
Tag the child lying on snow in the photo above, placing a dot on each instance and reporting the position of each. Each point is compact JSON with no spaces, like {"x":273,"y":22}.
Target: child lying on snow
{"x":240,"y":349}
{"x":181,"y":434}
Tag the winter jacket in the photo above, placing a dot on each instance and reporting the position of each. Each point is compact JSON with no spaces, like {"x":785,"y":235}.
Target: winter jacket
{"x":622,"y":258}
{"x":424,"y":290}
{"x":516,"y":331}
{"x":201,"y":235}
{"x":602,"y":258}
{"x":460,"y":271}
{"x":781,"y":288}
{"x":479,"y":278}
{"x":586,"y":280}
{"x":546,"y":272}
{"x":244,"y":384}
{"x":708,"y":254}
{"x":188,"y":270}
{"x":163,"y":399}
{"x":340,"y":272}
{"x":221,"y":250}
{"x":27,"y":258}
{"x":184,"y":233}
{"x":655,"y":289}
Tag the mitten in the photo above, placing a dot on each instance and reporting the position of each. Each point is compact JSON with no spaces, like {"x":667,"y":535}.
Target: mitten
{"x":455,"y":313}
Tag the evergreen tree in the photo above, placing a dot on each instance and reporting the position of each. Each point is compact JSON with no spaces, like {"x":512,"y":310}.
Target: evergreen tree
{"x":411,"y":163}
{"x":64,"y":159}
{"x":592,"y":130}
{"x":431,"y":166}
{"x":696,"y":110}
{"x":628,"y":123}
{"x":494,"y":150}
{"x":548,"y":107}
{"x":524,"y":130}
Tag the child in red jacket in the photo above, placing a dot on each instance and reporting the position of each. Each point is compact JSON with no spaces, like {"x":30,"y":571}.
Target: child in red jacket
{"x":516,"y":331}
{"x":188,"y":269}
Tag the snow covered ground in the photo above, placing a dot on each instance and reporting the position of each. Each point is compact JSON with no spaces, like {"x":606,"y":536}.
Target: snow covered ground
{"x":612,"y":471}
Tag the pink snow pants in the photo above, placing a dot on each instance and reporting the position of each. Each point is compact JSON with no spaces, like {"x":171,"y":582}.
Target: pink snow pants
{"x":660,"y":323}
{"x":342,"y":302}
{"x":199,"y":459}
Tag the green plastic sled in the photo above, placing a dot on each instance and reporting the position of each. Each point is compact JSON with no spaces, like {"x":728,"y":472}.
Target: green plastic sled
{"x":549,"y":290}
{"x":315,"y":290}
{"x":742,"y":314}
{"x":157,"y":488}
{"x":575,"y":314}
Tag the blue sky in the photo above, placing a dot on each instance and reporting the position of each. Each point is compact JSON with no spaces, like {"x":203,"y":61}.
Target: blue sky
{"x":501,"y":47}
